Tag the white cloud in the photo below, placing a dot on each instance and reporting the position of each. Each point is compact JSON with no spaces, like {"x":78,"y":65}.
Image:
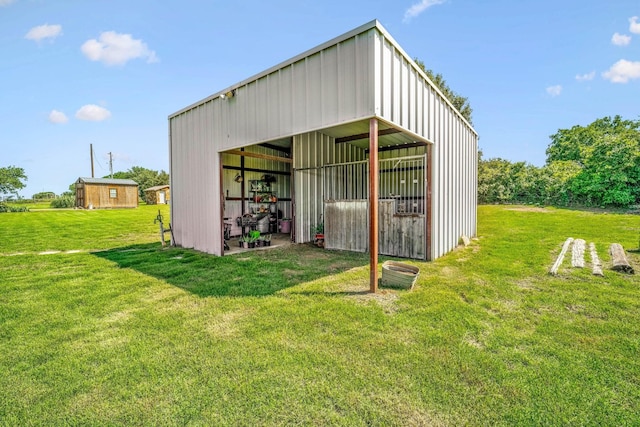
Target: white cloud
{"x":45,"y":31}
{"x":634,"y":25}
{"x":623,"y":71}
{"x":586,"y":77}
{"x":554,"y":90}
{"x":56,"y":116}
{"x":620,"y":39}
{"x":93,"y":113}
{"x":420,"y":7}
{"x":5,"y":2}
{"x":116,"y":49}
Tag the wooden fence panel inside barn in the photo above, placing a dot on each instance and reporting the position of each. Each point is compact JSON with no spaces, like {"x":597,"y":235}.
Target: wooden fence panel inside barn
{"x":401,"y":209}
{"x":346,"y":225}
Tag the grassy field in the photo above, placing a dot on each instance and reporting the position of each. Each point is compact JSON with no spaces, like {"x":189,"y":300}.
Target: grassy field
{"x":100,"y":326}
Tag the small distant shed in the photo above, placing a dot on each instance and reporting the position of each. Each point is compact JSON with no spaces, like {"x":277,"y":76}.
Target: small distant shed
{"x":158,"y":195}
{"x":106,"y":193}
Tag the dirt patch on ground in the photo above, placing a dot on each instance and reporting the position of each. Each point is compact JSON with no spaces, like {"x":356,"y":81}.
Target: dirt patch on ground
{"x":473,"y":341}
{"x":292,"y":273}
{"x":226,"y":325}
{"x":528,"y":284}
{"x":387,"y":299}
{"x":313,"y":255}
{"x":529,"y":209}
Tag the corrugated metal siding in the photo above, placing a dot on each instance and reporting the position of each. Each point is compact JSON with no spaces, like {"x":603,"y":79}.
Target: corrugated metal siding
{"x":407,"y":99}
{"x":311,"y":151}
{"x":357,"y":76}
{"x":454,"y":177}
{"x":327,"y":87}
{"x":195,"y":180}
{"x":324,"y":89}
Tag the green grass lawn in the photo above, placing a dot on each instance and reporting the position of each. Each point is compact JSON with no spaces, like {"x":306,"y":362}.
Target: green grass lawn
{"x":114,"y":330}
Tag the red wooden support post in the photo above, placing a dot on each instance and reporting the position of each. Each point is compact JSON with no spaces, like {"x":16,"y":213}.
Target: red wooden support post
{"x":373,"y":205}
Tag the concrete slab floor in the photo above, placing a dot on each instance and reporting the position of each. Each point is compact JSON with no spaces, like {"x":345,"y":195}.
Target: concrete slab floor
{"x":278,"y":240}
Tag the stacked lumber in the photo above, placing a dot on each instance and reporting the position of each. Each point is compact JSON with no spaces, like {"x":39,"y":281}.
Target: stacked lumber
{"x":578,"y":246}
{"x":596,"y":265}
{"x":565,"y":248}
{"x":577,"y":253}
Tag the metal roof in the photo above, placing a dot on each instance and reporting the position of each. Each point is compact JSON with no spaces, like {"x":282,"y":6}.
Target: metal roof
{"x":108,"y":181}
{"x":369,"y":25}
{"x":157,"y":187}
{"x":359,"y":30}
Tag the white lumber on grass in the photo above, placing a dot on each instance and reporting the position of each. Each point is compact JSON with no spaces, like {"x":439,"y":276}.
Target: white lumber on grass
{"x":565,"y":248}
{"x":577,"y":253}
{"x":596,"y":265}
{"x":619,"y":259}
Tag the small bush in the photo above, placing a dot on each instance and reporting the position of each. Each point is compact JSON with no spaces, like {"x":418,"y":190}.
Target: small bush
{"x":63,"y":202}
{"x":6,"y":208}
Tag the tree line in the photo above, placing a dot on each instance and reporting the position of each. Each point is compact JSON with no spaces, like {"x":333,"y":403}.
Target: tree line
{"x":12,"y":179}
{"x":595,"y":165}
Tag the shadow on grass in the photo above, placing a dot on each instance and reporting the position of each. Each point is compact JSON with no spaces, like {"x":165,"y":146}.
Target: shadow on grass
{"x":258,"y":273}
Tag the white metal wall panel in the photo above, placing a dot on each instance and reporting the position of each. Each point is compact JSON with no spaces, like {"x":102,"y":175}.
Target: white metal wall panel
{"x":299,"y":95}
{"x":329,"y":92}
{"x":285,"y":99}
{"x":348,"y":96}
{"x":323,"y":87}
{"x":311,"y":151}
{"x":409,"y":100}
{"x":359,"y":75}
{"x":194,"y":176}
{"x":308,"y":94}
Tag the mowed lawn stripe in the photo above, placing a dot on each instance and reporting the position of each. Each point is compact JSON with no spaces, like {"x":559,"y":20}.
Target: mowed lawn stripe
{"x":134,"y":334}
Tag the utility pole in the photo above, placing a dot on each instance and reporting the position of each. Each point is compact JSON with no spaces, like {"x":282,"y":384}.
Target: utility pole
{"x":111,"y":164}
{"x":91,"y":152}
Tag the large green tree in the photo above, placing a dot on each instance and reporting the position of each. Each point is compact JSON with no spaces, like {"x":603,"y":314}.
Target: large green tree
{"x":460,"y":102}
{"x":594,"y":165}
{"x":502,"y":181}
{"x":607,"y":156}
{"x":12,"y":179}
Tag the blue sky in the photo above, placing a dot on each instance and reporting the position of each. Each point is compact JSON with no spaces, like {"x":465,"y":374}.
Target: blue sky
{"x":109,"y":72}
